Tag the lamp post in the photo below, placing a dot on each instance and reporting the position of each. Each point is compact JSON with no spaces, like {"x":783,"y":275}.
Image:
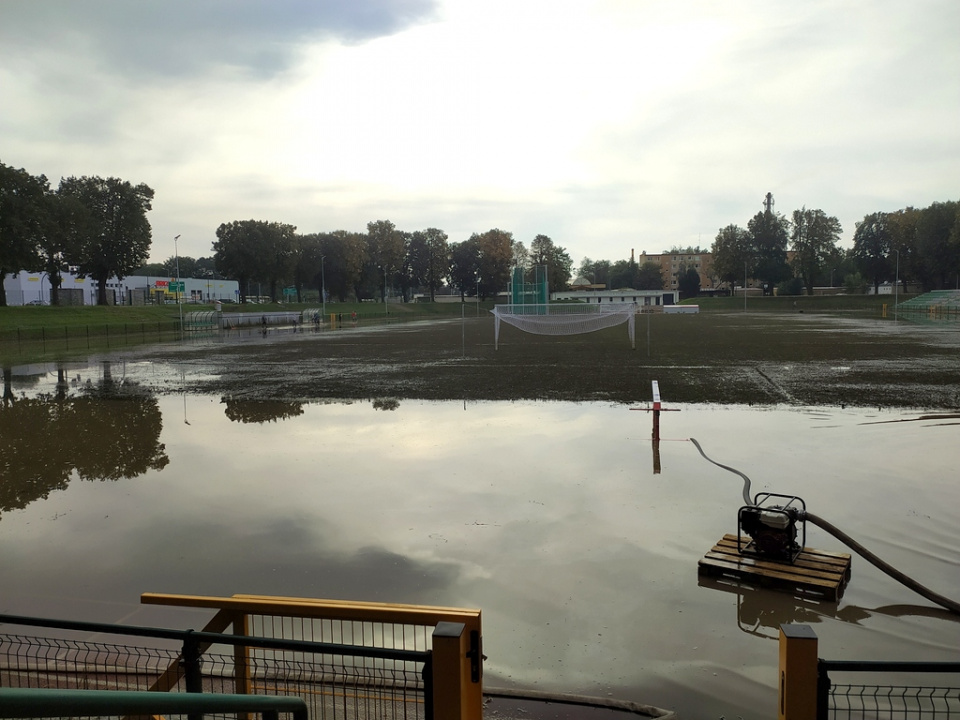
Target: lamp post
{"x":478,"y":296}
{"x":323,"y":287}
{"x":896,"y":288}
{"x":386,"y":310}
{"x":176,"y":253}
{"x":831,"y":278}
{"x":744,"y":285}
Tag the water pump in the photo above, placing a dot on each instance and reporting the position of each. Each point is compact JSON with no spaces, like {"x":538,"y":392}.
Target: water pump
{"x":768,"y":528}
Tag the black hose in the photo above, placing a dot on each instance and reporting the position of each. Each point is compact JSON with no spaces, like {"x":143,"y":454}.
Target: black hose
{"x":909,"y":582}
{"x":746,"y":480}
{"x":951,"y":605}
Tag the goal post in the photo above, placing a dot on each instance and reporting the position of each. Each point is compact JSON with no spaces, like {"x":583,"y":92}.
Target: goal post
{"x":565,"y":318}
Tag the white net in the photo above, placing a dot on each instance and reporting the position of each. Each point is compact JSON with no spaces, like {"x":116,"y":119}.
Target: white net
{"x":565,"y":318}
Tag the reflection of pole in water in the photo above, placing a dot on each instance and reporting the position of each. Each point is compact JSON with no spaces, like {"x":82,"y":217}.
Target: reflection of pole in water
{"x":183,"y":391}
{"x":62,"y":384}
{"x":656,"y":456}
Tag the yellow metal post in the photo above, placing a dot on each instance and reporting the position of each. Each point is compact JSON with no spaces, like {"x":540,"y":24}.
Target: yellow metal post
{"x":798,"y":673}
{"x":455,"y":695}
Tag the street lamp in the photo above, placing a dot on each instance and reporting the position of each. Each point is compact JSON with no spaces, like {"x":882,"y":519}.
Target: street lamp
{"x":323,"y":287}
{"x":896,"y":287}
{"x":744,"y":285}
{"x":176,"y":254}
{"x":386,"y":310}
{"x":831,"y":278}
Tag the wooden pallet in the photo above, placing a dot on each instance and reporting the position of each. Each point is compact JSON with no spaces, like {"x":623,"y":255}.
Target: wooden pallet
{"x":815,"y":572}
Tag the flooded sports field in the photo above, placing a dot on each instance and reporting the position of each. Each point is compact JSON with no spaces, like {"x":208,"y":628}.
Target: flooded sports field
{"x":123,"y":477}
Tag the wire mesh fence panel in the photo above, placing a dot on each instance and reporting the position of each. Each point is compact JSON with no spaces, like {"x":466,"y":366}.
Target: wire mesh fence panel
{"x":341,"y":686}
{"x":362,"y":633}
{"x":334,"y":686}
{"x":44,"y":662}
{"x":873,"y":702}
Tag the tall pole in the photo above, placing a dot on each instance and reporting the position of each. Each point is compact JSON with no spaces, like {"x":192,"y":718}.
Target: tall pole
{"x":323,"y":287}
{"x":896,"y":288}
{"x":176,"y":253}
{"x":386,"y":310}
{"x":744,"y":285}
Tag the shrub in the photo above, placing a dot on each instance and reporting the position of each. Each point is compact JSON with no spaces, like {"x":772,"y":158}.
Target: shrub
{"x":793,"y":286}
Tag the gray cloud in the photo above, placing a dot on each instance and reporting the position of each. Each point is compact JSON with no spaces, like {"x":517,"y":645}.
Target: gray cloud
{"x":185,"y":37}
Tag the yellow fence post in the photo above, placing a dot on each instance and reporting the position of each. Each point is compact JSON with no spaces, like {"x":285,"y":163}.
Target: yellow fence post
{"x":798,"y":673}
{"x":455,"y":696}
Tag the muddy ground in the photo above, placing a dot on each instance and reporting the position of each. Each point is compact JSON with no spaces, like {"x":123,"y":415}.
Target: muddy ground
{"x":708,"y":358}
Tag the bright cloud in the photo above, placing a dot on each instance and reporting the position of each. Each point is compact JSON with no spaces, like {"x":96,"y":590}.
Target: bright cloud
{"x":607,"y":125}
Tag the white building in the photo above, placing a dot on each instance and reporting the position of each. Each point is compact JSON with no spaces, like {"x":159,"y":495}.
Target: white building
{"x":641,"y":297}
{"x":34,"y":289}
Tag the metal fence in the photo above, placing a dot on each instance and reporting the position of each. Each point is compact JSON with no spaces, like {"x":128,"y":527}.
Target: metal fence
{"x":336,"y":680}
{"x":86,"y":337}
{"x":880,"y":701}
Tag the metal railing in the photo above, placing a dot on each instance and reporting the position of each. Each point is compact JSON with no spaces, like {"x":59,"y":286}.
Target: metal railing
{"x":807,"y":690}
{"x":336,"y":680}
{"x":23,"y":703}
{"x":854,"y":701}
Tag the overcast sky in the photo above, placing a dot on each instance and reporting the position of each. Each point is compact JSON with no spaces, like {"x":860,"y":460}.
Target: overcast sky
{"x":608,"y":125}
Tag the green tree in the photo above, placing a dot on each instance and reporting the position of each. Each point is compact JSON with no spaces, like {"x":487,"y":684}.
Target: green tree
{"x":345,"y":256}
{"x":596,"y":271}
{"x":63,"y":229}
{"x":151,"y":270}
{"x":495,"y":261}
{"x":855,"y":284}
{"x":625,"y":274}
{"x":768,"y":249}
{"x":186,"y":265}
{"x":543,"y":251}
{"x":206,"y":267}
{"x":521,"y":257}
{"x":650,"y":277}
{"x":309,"y":263}
{"x":21,"y":215}
{"x":239,"y":249}
{"x":732,"y":254}
{"x":814,"y":239}
{"x":872,"y":245}
{"x":938,"y":257}
{"x":465,"y":265}
{"x":116,"y":240}
{"x":429,"y":259}
{"x":902,"y":226}
{"x":276,"y":267}
{"x":688,"y":282}
{"x":385,"y":252}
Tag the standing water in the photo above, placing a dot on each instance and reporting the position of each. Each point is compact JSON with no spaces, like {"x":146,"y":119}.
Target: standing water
{"x":547,"y":516}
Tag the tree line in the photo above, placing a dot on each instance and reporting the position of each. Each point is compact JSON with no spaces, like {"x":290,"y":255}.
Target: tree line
{"x":97,"y":226}
{"x":914,"y":245}
{"x":344,"y":264}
